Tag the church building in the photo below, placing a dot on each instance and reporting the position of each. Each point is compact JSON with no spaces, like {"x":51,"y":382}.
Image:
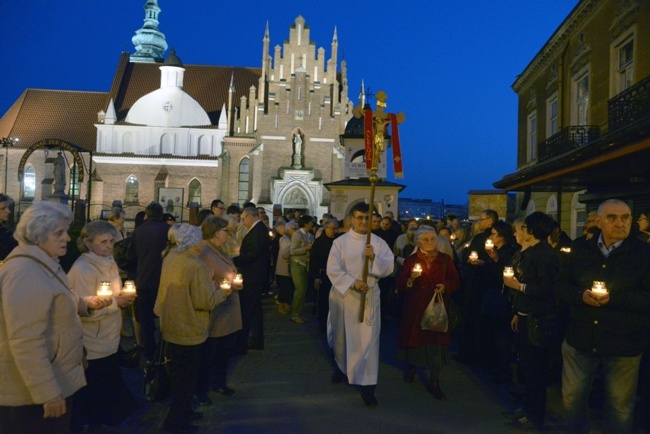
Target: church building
{"x":181,"y":133}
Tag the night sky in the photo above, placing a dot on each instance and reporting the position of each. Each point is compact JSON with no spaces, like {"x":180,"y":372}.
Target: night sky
{"x":447,"y":65}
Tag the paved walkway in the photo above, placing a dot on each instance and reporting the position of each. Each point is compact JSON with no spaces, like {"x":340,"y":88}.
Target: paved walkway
{"x":286,"y":389}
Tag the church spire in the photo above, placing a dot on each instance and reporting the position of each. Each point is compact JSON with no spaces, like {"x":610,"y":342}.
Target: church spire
{"x":149,"y":42}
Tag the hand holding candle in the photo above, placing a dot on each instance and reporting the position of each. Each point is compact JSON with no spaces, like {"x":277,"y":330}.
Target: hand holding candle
{"x":599,"y":287}
{"x":416,"y":271}
{"x":489,"y":244}
{"x":473,"y":256}
{"x":129,"y":288}
{"x":238,"y":282}
{"x":104,"y":290}
{"x":508,"y":272}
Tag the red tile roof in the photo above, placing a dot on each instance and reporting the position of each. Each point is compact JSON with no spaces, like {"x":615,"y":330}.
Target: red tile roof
{"x":71,"y":115}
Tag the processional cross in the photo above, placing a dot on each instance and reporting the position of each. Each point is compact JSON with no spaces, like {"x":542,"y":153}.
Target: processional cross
{"x":374,"y":132}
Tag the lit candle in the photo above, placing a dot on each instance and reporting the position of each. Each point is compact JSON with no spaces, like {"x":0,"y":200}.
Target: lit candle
{"x":565,"y":249}
{"x":489,"y":245}
{"x":104,"y":289}
{"x":129,"y":287}
{"x":417,"y":268}
{"x":271,"y":234}
{"x":473,"y":256}
{"x":599,"y":287}
{"x":508,"y":272}
{"x":238,"y":280}
{"x":225,"y":284}
{"x":452,"y":237}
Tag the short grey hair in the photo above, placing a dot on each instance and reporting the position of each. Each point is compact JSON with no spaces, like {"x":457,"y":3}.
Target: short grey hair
{"x":252,"y":211}
{"x":232,"y":221}
{"x":115,"y":214}
{"x":40,"y":220}
{"x":610,"y":202}
{"x":279,"y":224}
{"x":329,"y":221}
{"x":424,"y":230}
{"x":93,"y":229}
{"x":291,"y":225}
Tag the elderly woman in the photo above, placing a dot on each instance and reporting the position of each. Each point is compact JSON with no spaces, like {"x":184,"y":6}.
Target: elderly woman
{"x":282,"y":274}
{"x":106,"y":399}
{"x":186,"y":296}
{"x":318,"y":268}
{"x":7,"y":241}
{"x":116,"y":217}
{"x":225,"y":320}
{"x":41,"y":346}
{"x":423,"y":348}
{"x":534,"y":303}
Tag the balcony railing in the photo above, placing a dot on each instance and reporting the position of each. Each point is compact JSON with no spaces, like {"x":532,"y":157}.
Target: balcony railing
{"x":630,"y":105}
{"x":567,"y":140}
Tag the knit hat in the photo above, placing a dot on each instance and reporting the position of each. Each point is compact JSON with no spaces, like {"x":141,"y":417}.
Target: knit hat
{"x":187,"y":236}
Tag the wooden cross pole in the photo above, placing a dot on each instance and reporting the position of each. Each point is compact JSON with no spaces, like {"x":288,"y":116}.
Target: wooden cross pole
{"x":380,"y":121}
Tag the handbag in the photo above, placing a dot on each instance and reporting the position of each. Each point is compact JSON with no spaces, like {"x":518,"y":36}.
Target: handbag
{"x":120,"y":249}
{"x":156,"y":376}
{"x":435,"y":315}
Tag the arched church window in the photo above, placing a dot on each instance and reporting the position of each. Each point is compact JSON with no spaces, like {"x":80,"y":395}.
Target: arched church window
{"x":132,"y":187}
{"x":29,"y":183}
{"x":244,"y":172}
{"x":195,"y":192}
{"x":74,"y":182}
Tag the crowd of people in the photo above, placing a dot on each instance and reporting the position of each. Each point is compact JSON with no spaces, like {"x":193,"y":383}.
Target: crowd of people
{"x":574,"y":311}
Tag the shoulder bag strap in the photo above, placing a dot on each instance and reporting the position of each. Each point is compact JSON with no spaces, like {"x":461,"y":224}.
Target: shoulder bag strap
{"x":44,"y":265}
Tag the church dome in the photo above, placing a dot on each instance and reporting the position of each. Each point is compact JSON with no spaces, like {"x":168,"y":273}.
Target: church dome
{"x":168,"y":107}
{"x":173,"y":60}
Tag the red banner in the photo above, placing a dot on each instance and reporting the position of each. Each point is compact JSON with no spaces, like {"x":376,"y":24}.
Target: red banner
{"x":368,"y":137}
{"x":397,"y":151}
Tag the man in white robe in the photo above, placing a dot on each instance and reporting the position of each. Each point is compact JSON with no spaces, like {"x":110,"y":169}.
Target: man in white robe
{"x":356,"y":344}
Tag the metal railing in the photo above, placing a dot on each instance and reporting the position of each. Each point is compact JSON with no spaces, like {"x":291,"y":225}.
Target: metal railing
{"x":630,"y":105}
{"x":567,"y":140}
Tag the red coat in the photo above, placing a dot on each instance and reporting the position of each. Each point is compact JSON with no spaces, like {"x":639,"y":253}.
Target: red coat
{"x":418,"y":296}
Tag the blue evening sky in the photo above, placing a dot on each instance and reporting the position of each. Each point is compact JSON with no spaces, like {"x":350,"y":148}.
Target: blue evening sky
{"x":448,"y":65}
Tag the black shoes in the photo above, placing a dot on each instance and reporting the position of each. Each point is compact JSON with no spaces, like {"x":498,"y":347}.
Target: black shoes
{"x":368,"y":396}
{"x":226,"y":391}
{"x":337,"y":377}
{"x":203,"y":399}
{"x":409,"y":375}
{"x":436,"y":391}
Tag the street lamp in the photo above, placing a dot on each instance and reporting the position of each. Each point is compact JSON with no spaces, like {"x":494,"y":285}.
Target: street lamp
{"x":6,"y":143}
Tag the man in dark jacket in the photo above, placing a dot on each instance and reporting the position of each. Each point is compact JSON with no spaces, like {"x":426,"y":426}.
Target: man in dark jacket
{"x":144,"y":251}
{"x":607,"y":329}
{"x":253,"y":263}
{"x":470,"y":347}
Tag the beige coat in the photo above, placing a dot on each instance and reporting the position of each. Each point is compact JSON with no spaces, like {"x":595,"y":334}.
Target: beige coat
{"x":226,"y":317}
{"x":186,"y":296}
{"x":41,"y":346}
{"x":101,"y":327}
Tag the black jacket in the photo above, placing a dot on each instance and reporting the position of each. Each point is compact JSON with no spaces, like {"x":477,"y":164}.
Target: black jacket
{"x":145,"y":249}
{"x":620,"y":327}
{"x":538,"y":268}
{"x":254,"y":260}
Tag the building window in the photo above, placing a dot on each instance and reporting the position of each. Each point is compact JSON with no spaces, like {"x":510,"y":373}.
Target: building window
{"x":625,"y":70}
{"x":551,"y":116}
{"x":132,"y":187}
{"x":74,"y":182}
{"x":244,"y":172}
{"x":195,"y":192}
{"x":532,"y":136}
{"x":29,"y":183}
{"x":582,"y":100}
